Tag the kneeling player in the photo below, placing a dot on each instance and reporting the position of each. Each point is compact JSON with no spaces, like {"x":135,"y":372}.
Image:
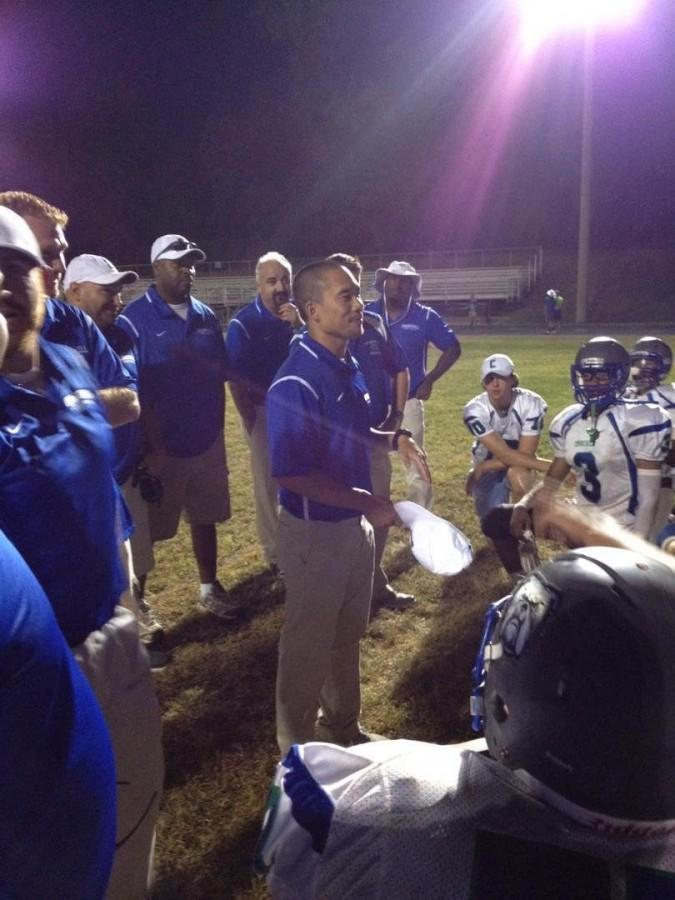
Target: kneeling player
{"x":571,"y":792}
{"x":506,"y":422}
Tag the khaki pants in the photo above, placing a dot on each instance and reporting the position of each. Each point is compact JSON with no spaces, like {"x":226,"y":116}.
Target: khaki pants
{"x":264,"y":487}
{"x":328,"y":570}
{"x":413,"y":419}
{"x":380,"y":474}
{"x":116,"y":667}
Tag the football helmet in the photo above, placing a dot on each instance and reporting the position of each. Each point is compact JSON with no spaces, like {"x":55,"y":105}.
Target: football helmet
{"x":650,"y":361}
{"x":607,"y":362}
{"x":573,"y":682}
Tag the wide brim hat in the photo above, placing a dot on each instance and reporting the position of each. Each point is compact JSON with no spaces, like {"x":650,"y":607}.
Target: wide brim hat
{"x":399,"y":267}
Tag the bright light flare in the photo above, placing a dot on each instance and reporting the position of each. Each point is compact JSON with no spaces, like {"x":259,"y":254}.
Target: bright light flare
{"x":541,"y":19}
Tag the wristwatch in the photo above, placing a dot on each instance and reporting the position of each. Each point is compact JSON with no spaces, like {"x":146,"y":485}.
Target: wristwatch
{"x":400,"y":432}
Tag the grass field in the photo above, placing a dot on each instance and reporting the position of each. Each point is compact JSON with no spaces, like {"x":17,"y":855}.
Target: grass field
{"x":217,"y":695}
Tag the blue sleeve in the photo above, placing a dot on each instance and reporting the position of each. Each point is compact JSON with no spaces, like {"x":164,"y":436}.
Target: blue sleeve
{"x":104,"y":362}
{"x":438,"y":332}
{"x":237,"y":343}
{"x":293,"y":428}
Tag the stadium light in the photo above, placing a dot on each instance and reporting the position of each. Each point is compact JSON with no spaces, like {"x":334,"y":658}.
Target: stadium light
{"x":544,"y":19}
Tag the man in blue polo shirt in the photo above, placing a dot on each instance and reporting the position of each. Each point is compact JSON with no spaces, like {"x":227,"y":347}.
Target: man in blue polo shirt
{"x":414,"y":326}
{"x":182,"y":368}
{"x":388,"y":381}
{"x":59,"y":507}
{"x":257,"y":343}
{"x":57,"y":788}
{"x":64,"y":324}
{"x":319,"y":435}
{"x":93,"y":285}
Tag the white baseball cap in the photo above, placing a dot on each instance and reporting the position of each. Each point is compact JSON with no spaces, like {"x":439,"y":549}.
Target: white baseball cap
{"x":16,"y":234}
{"x":97,"y":270}
{"x":175,"y":246}
{"x":497,"y":364}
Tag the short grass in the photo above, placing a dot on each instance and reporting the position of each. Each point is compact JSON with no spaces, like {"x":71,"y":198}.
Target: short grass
{"x":217,"y":695}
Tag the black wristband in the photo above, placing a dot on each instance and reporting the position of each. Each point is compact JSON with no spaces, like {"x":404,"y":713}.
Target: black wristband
{"x":399,"y":433}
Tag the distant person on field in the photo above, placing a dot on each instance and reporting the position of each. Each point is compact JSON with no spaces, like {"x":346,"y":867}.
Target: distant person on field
{"x":553,"y":310}
{"x":257,"y":342}
{"x":569,"y":794}
{"x":182,"y":368}
{"x":414,"y":327}
{"x":506,"y":422}
{"x":472,"y":312}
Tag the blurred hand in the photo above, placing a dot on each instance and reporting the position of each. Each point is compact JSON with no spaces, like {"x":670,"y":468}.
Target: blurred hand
{"x":154,"y":462}
{"x":469,"y":483}
{"x":380,"y":512}
{"x":521,"y":521}
{"x":423,"y":392}
{"x":289,"y":313}
{"x":413,"y":456}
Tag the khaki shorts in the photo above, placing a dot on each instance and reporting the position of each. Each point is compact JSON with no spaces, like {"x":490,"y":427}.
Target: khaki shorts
{"x":194,"y":486}
{"x":141,"y":544}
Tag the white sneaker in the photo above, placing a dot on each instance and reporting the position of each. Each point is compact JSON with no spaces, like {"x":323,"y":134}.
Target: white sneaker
{"x":217,"y":603}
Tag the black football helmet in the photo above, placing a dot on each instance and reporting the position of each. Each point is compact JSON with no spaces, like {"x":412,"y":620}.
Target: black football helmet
{"x":575,"y":681}
{"x":601,"y":356}
{"x":650,"y":361}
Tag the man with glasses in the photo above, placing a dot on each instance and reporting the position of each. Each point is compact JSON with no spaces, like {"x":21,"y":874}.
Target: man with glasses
{"x":181,"y":368}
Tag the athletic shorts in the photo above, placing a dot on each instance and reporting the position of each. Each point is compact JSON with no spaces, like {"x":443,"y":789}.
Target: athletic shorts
{"x":195,"y":487}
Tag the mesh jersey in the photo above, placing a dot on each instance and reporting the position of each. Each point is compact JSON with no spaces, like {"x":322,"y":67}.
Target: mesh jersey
{"x":606,"y":470}
{"x":525,"y":416}
{"x":403,"y":819}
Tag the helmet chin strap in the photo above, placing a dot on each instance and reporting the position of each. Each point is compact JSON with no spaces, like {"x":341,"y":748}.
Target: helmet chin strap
{"x":592,"y":430}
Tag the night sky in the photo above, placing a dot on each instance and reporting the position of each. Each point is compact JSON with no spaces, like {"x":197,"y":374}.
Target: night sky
{"x":309,"y":126}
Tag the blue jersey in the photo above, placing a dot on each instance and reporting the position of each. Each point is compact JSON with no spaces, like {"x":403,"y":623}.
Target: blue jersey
{"x":257,"y":344}
{"x":57,"y":781}
{"x":128,"y":438}
{"x":418,"y":327}
{"x":380,"y":359}
{"x":318,"y":420}
{"x":65,"y":324}
{"x":58,"y":500}
{"x":181,"y":370}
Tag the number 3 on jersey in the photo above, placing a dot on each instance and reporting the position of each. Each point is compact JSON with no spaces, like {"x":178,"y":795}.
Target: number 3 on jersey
{"x":591,"y":486}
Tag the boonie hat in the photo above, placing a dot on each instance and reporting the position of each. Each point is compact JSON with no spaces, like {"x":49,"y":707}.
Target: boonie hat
{"x":15,"y":234}
{"x":497,"y":364}
{"x":97,"y":270}
{"x":175,"y":246}
{"x":399,"y":267}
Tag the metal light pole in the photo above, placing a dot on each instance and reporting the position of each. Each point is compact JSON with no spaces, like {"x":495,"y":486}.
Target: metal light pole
{"x":583,"y":252}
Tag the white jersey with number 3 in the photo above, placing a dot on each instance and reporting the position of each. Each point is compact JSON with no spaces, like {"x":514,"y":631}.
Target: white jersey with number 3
{"x":604,"y":456}
{"x":525,"y":416}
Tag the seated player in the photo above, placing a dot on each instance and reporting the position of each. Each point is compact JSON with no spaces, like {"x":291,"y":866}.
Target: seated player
{"x":571,"y":793}
{"x":650,"y":362}
{"x":506,"y":422}
{"x":616,"y":449}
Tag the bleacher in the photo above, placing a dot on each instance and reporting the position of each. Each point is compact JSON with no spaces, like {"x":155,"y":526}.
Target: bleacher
{"x":449,"y":288}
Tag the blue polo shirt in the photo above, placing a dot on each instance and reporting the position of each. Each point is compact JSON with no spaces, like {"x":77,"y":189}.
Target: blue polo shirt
{"x":65,"y":324}
{"x":418,"y":327}
{"x":59,"y":504}
{"x":380,"y":359}
{"x":128,"y":438}
{"x":181,"y":370}
{"x":318,"y":420}
{"x":257,"y":344}
{"x":57,"y":774}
